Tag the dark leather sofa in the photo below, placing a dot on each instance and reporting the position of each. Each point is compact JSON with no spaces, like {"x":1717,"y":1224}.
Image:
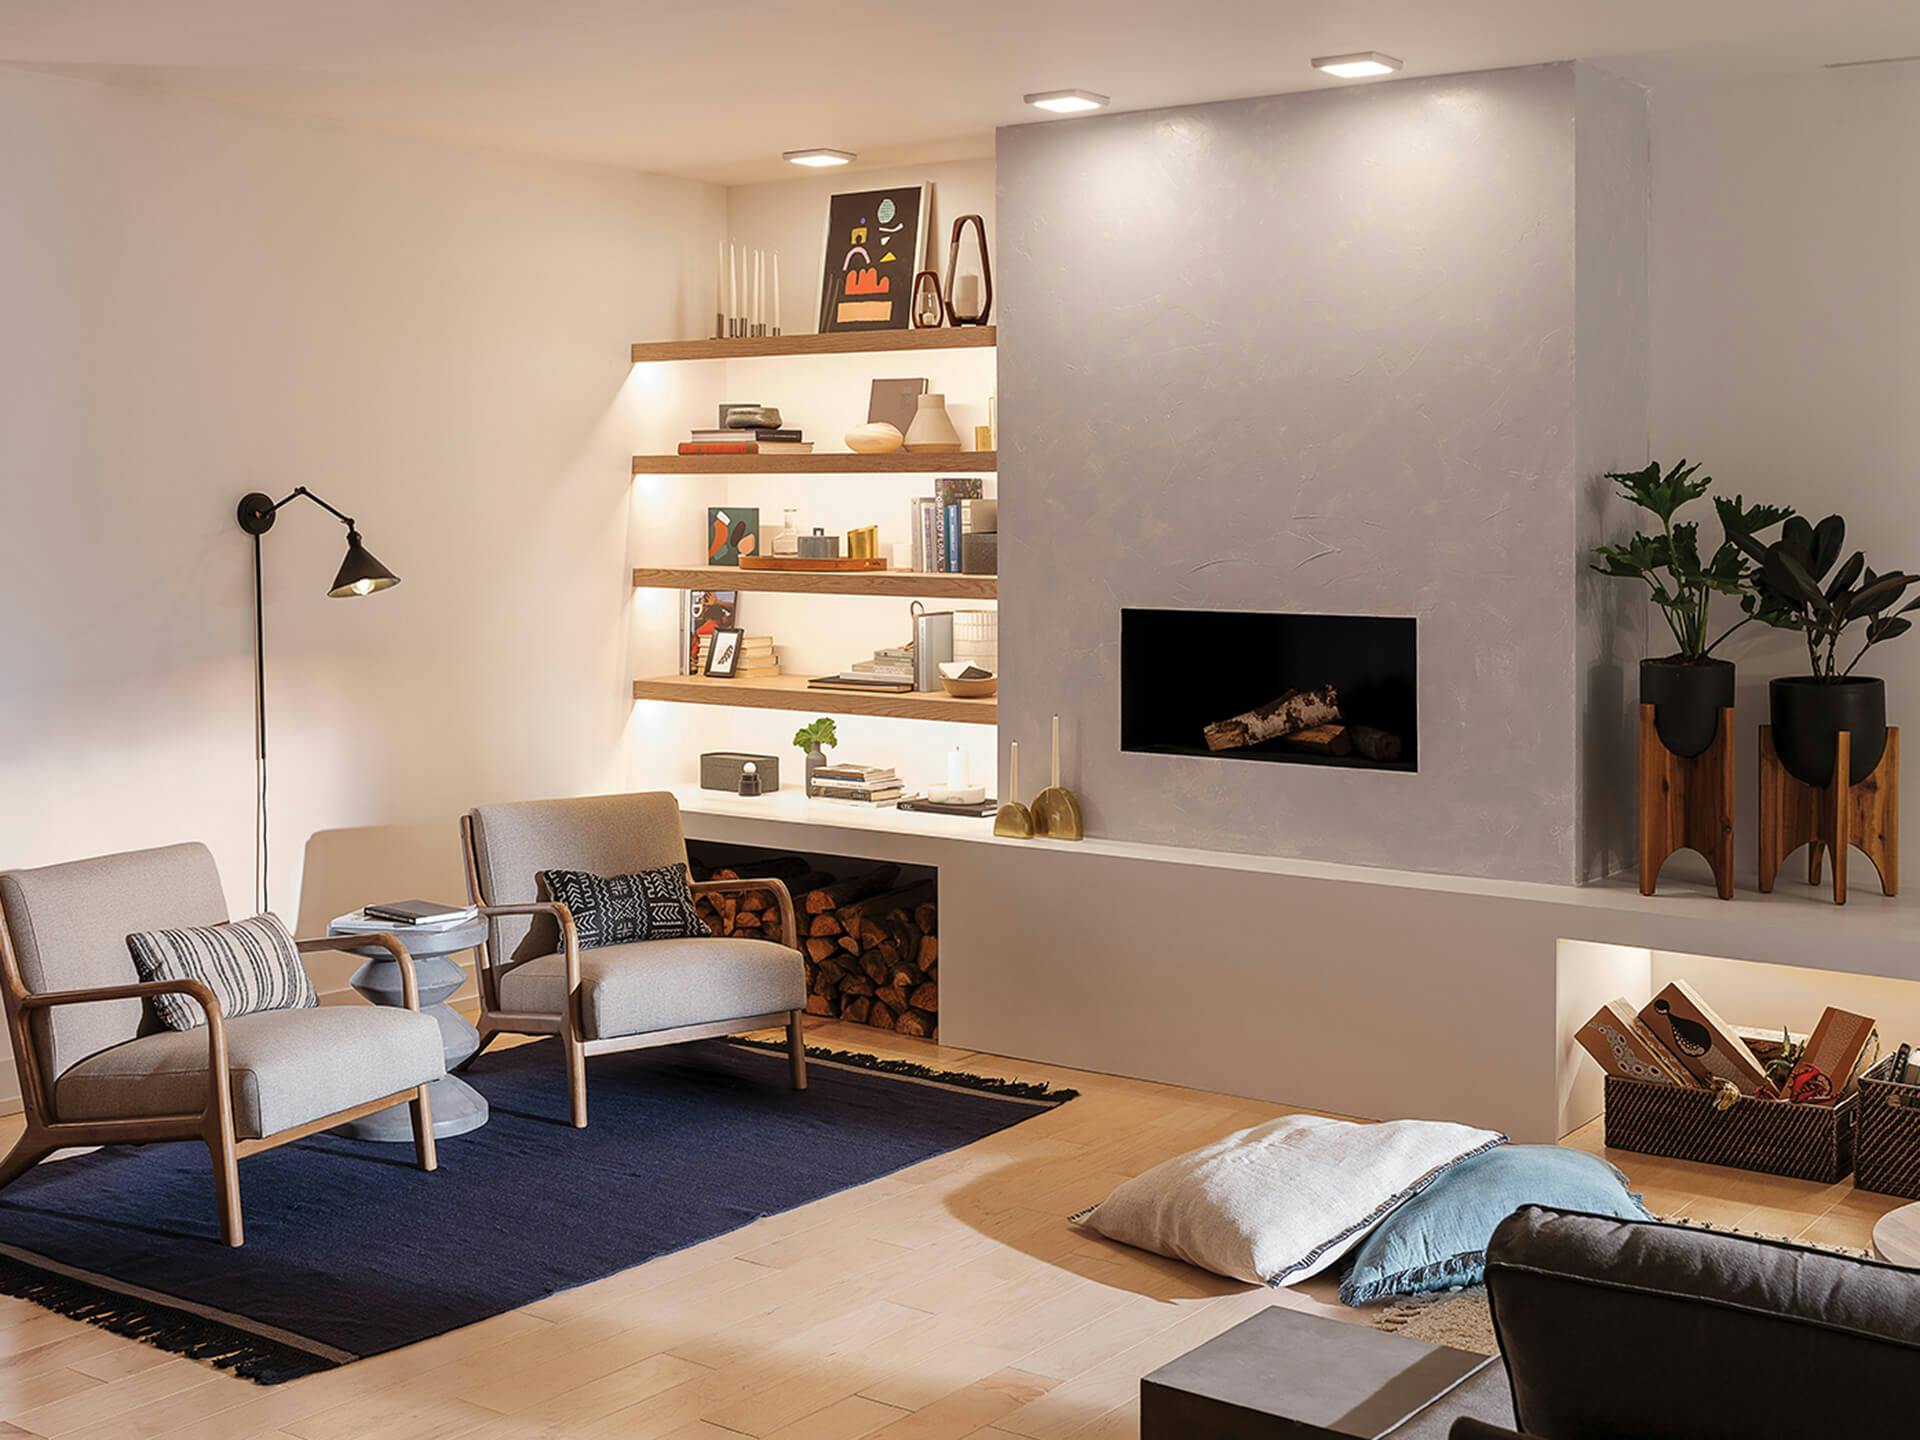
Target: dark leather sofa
{"x":1634,"y":1330}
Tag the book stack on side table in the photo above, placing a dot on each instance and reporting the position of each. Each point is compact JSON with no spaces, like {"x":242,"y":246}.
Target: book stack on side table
{"x":405,"y":916}
{"x":860,"y":784}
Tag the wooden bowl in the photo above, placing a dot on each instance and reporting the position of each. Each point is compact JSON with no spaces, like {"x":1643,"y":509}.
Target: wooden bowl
{"x":971,"y":689}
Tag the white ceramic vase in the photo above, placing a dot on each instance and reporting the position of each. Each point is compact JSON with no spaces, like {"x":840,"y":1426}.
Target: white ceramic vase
{"x":932,"y":428}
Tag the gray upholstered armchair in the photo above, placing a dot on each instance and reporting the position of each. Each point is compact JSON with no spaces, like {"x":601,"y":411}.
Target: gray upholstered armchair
{"x":97,"y":1068}
{"x":535,"y":979}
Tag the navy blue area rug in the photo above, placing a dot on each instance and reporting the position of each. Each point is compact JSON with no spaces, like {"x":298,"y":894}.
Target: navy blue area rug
{"x":352,"y":1251}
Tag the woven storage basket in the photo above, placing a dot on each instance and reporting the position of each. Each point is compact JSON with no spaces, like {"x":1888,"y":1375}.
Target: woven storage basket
{"x":1887,"y":1149}
{"x":1808,"y":1142}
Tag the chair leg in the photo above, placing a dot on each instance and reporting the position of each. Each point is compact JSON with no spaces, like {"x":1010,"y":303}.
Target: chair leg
{"x":487,"y":1037}
{"x":226,"y":1184}
{"x":576,"y":1079}
{"x":797,"y":1047}
{"x":423,"y":1148}
{"x":28,"y":1151}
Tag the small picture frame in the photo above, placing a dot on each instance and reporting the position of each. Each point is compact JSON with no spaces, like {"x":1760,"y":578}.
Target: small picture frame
{"x":723,"y":656}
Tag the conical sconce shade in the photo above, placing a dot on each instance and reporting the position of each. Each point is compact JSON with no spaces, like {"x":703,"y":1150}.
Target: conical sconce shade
{"x":360,"y":573}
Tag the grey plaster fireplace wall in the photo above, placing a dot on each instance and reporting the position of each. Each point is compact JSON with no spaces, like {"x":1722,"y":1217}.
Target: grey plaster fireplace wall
{"x":1317,"y":353}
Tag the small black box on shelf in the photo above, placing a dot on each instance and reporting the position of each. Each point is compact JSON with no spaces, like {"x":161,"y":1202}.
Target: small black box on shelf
{"x":720,"y":770}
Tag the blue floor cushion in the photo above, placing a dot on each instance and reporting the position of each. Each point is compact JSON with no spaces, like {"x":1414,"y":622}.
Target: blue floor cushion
{"x":1438,"y":1239}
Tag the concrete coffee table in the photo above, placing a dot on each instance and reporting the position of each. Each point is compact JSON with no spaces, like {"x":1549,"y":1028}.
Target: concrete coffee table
{"x":457,"y":1106}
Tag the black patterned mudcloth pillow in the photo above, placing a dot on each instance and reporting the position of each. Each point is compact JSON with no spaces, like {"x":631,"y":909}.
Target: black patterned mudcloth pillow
{"x":249,"y":965}
{"x":620,"y":909}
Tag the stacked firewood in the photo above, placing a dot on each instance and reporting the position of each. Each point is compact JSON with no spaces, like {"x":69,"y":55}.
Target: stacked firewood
{"x":872,"y":943}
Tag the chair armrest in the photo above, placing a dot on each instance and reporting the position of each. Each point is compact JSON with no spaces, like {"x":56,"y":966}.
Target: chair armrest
{"x":789,"y":929}
{"x":569,"y":935}
{"x":198,"y":989}
{"x":385,"y":940}
{"x":220,"y":1082}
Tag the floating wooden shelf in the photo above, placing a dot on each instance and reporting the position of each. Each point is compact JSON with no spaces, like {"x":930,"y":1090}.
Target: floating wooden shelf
{"x":791,"y":692}
{"x":817,"y":582}
{"x":900,"y":462}
{"x":859,"y":342}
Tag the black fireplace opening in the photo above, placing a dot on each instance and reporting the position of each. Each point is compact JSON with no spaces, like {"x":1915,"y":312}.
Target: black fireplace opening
{"x":1182,"y":671}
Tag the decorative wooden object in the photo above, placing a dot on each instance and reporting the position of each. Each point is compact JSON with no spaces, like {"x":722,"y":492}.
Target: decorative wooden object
{"x":890,"y":462}
{"x":810,"y":582}
{"x":1286,"y":715}
{"x":791,"y":692}
{"x":1686,"y":803}
{"x":805,"y":564}
{"x":846,"y":342}
{"x":1864,"y":816}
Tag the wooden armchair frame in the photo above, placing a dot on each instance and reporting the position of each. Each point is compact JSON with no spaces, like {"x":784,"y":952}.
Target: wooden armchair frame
{"x":214,"y":1124}
{"x":568,"y":1024}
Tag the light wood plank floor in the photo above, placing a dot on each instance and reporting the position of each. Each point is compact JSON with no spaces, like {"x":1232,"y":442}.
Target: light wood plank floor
{"x":947,"y":1301}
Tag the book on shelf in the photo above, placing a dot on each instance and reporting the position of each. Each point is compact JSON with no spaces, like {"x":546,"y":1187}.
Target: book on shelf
{"x":846,"y":770}
{"x":874,"y":684}
{"x":875,"y":801}
{"x":932,"y":646}
{"x":716,"y":447}
{"x":786,"y":447}
{"x":757,"y":656}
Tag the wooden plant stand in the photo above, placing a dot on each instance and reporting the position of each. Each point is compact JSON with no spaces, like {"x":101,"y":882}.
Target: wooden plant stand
{"x":1864,"y":816}
{"x":1686,"y":803}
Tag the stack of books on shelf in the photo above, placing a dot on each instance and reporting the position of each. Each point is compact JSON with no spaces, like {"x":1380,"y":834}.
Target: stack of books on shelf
{"x":889,"y":672}
{"x":938,"y":521}
{"x":858,"y":784}
{"x":747,"y":442}
{"x":757,"y":657}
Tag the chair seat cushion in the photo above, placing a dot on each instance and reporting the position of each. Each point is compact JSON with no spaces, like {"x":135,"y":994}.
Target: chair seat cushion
{"x":288,"y":1067}
{"x":663,"y":984}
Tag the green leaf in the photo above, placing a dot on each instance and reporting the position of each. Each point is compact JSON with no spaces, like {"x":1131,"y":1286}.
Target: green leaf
{"x":1874,"y":598}
{"x":1829,"y":537}
{"x":1849,"y":573}
{"x":820,"y":732}
{"x":1787,"y":573}
{"x":1799,"y":534}
{"x":1887,"y":627}
{"x":1737,"y":520}
{"x":1661,"y":494}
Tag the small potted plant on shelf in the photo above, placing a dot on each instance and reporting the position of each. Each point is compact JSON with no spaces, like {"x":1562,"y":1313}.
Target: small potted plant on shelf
{"x":1789,"y":590}
{"x":1689,"y":688}
{"x":814,"y":739}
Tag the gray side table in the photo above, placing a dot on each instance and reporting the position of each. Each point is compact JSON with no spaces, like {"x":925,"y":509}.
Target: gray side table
{"x":457,"y":1106}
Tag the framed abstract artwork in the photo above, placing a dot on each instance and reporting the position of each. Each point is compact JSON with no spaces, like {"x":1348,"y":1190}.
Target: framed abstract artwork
{"x":708,"y":611}
{"x":732,"y":531}
{"x":875,"y":239}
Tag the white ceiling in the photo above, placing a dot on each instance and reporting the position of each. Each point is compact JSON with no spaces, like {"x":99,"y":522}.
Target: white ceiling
{"x":715,"y":89}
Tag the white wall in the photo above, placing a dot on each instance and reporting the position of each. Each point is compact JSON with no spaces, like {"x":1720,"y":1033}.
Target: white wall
{"x":202,"y":302}
{"x":1785,"y":310}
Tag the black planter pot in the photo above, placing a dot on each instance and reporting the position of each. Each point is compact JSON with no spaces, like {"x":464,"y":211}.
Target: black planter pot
{"x":1808,"y":716}
{"x":1687,"y":698}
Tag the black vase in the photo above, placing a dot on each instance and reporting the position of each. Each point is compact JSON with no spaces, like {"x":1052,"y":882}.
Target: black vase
{"x":1808,"y":716}
{"x":1687,"y":697}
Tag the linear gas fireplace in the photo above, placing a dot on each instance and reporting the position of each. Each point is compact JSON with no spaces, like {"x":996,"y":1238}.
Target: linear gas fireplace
{"x":1252,"y":685}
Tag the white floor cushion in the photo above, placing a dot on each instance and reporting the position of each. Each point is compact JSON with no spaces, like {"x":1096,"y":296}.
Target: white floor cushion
{"x":1280,"y":1202}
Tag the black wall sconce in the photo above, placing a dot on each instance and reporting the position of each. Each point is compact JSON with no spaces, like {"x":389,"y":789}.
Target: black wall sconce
{"x":359,"y":574}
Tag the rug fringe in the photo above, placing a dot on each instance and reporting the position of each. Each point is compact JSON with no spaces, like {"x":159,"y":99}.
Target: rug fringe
{"x":251,"y":1357}
{"x":1015,"y":1089}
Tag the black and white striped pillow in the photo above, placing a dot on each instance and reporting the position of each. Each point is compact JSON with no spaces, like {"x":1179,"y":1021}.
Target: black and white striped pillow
{"x":249,"y":965}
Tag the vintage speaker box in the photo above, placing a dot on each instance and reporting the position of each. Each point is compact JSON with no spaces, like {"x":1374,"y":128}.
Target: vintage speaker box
{"x":720,"y":770}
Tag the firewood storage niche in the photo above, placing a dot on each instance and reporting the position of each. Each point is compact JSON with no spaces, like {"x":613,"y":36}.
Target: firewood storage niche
{"x":1206,"y":683}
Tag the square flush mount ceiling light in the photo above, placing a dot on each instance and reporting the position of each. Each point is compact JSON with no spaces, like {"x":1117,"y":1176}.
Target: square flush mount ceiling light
{"x":1067,"y":102}
{"x":1357,"y":66}
{"x":819,"y":159}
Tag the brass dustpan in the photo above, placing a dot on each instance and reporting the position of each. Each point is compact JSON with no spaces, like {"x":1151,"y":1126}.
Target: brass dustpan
{"x":1012,"y":819}
{"x":1056,"y":814}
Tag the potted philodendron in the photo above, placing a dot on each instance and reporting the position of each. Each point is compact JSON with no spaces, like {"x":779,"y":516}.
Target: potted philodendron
{"x":1790,"y":590}
{"x":1689,"y":688}
{"x":814,"y":738}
